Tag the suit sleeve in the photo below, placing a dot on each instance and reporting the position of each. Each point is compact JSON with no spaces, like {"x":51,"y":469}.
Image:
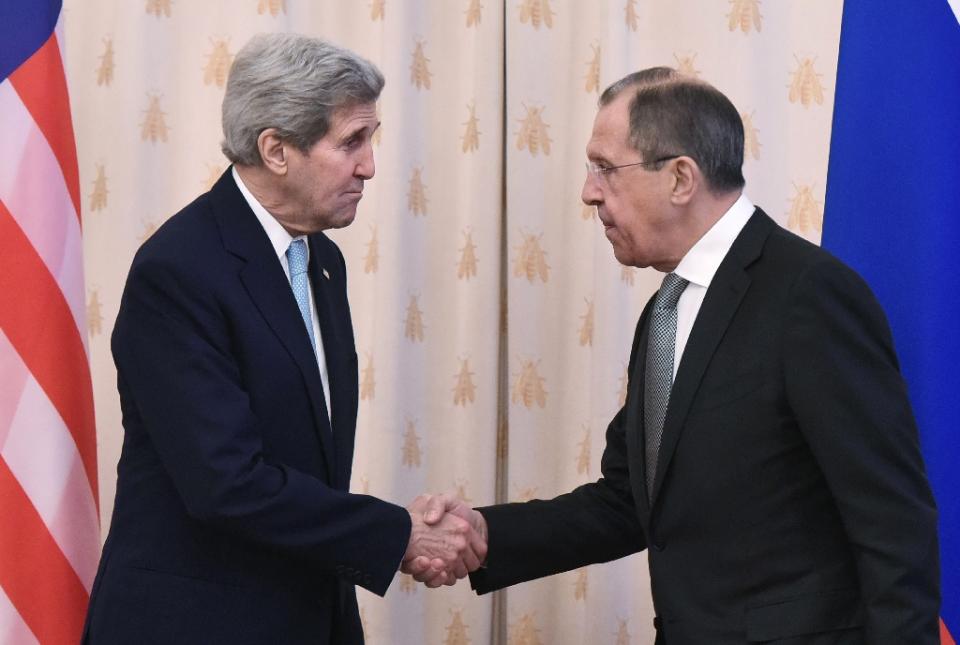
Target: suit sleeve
{"x":172,"y":347}
{"x":845,"y":389}
{"x":596,"y":522}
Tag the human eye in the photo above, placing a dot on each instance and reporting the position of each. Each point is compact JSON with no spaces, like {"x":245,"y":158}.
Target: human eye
{"x":352,"y":143}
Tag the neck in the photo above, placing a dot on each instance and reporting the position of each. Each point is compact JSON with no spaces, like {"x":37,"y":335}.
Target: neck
{"x":698,"y":217}
{"x":265,"y":188}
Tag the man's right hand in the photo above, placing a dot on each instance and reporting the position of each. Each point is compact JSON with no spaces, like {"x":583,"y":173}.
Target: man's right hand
{"x":448,"y":540}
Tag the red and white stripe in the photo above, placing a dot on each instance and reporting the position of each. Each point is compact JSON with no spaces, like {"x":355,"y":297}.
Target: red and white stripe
{"x":49,"y":533}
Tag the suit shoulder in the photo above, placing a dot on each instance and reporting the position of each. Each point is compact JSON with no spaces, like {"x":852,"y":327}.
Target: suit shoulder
{"x":185,"y":239}
{"x":801,"y":255}
{"x":814,"y":270}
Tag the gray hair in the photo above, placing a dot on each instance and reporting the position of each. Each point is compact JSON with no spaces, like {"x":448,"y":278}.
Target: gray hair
{"x":673,"y":114}
{"x":292,"y":83}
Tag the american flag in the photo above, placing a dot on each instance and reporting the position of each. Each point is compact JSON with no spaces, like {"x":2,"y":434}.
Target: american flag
{"x":49,"y":526}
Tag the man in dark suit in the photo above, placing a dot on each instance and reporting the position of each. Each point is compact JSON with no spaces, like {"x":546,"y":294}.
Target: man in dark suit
{"x":767,"y":454}
{"x":238,"y":384}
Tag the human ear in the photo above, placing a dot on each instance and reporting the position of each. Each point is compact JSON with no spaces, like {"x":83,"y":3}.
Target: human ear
{"x":272,"y":151}
{"x":685,"y":179}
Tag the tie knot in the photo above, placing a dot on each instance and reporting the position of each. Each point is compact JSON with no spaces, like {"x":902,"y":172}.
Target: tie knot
{"x":673,"y":285}
{"x":297,"y":257}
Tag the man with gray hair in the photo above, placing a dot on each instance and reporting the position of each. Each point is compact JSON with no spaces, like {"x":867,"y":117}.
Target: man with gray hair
{"x":766,"y":457}
{"x":237,"y":376}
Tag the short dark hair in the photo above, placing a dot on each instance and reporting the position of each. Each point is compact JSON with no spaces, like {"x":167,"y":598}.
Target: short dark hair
{"x":671,"y":113}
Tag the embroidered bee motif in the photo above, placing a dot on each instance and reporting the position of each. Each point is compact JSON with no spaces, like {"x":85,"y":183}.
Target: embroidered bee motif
{"x":745,"y":14}
{"x":805,"y":86}
{"x":420,"y":68}
{"x":464,"y":391}
{"x":105,"y":69}
{"x":531,"y":260}
{"x":218,"y":64}
{"x":528,"y":387}
{"x":806,"y":214}
{"x":471,"y":132}
{"x":536,"y":12}
{"x":98,"y":198}
{"x":154,"y":124}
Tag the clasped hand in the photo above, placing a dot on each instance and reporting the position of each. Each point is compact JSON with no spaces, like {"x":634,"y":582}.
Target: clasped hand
{"x":448,"y":540}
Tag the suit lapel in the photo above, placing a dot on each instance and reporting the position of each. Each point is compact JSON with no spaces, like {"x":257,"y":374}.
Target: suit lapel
{"x":721,"y":302}
{"x":326,"y":280}
{"x":634,"y":420}
{"x":263,"y":278}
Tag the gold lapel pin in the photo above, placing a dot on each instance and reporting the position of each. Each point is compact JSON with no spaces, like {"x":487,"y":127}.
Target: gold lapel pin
{"x":326,"y":274}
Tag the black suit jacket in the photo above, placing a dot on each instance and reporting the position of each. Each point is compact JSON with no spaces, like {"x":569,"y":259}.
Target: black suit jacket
{"x":790,"y":503}
{"x":232,"y":521}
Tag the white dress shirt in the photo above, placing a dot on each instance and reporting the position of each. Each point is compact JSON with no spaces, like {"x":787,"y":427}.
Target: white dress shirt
{"x":281,"y":240}
{"x":699,"y":266}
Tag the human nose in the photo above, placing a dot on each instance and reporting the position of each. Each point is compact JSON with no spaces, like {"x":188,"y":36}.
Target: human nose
{"x":590,"y":193}
{"x":366,"y":167}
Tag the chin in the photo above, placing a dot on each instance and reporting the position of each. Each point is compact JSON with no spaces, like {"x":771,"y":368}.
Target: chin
{"x":623,"y":257}
{"x":344,"y":220}
{"x":630,"y":261}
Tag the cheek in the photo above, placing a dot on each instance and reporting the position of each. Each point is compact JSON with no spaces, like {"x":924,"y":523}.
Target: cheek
{"x":634,"y":217}
{"x":634,"y":237}
{"x":625,"y":221}
{"x":323,"y":191}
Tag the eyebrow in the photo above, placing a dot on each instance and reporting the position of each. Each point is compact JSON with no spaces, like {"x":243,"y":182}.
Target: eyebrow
{"x":359,"y":130}
{"x":598,"y":156}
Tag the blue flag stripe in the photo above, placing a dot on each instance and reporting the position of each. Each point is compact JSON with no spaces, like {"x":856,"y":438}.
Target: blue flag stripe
{"x":24,"y":27}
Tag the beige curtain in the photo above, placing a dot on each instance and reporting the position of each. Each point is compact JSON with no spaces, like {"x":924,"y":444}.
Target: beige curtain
{"x":474,"y":213}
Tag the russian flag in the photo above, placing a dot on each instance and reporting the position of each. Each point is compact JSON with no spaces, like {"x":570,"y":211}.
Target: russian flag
{"x":893,"y":213}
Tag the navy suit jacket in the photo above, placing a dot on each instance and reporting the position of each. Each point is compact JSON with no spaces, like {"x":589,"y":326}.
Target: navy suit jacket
{"x":233,"y":522}
{"x":790,"y":504}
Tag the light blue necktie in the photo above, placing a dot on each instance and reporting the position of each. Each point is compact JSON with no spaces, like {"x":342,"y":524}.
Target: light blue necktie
{"x":297,"y":262}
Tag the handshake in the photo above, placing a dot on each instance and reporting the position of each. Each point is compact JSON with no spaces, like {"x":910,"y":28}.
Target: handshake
{"x":448,"y":540}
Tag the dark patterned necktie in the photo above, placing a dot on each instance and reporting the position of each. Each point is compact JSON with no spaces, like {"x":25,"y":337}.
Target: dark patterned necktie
{"x":659,"y":368}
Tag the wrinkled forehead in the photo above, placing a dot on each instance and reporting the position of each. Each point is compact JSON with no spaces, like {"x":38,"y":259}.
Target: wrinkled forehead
{"x":354,"y":116}
{"x":355,"y":111}
{"x":611,"y":129}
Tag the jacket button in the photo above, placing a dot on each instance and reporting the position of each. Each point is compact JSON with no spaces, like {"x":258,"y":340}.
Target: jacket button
{"x":659,"y":546}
